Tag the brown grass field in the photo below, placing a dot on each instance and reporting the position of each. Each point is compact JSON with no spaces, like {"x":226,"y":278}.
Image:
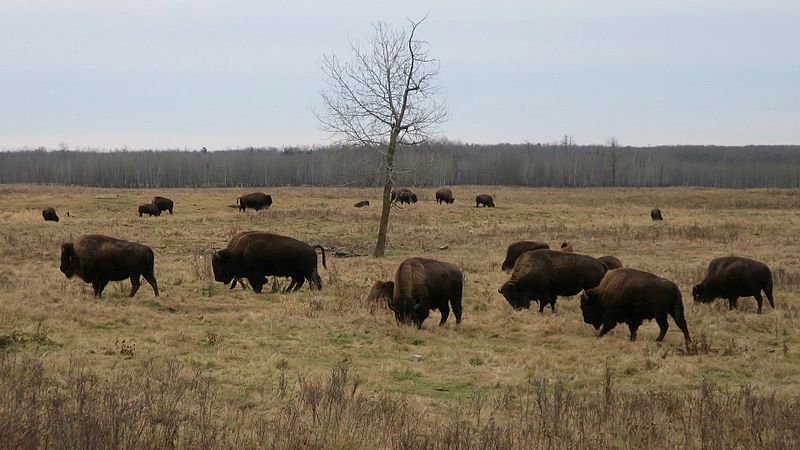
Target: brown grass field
{"x":204,"y":366}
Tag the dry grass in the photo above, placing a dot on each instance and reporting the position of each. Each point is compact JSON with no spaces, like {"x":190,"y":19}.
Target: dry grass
{"x":266,"y":359}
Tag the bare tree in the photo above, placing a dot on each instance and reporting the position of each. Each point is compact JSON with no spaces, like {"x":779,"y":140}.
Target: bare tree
{"x":383,"y":99}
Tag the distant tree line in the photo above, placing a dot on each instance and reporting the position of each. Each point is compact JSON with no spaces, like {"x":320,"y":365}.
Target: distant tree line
{"x":433,"y":164}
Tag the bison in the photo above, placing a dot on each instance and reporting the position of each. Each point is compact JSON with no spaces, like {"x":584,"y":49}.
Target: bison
{"x":518,"y":248}
{"x":256,"y":255}
{"x":421,"y":285}
{"x":98,"y":259}
{"x":404,"y":195}
{"x":732,"y":277}
{"x":256,"y":200}
{"x":612,"y":262}
{"x":163,"y":204}
{"x":381,"y":292}
{"x":49,"y":215}
{"x":445,"y":195}
{"x":362,"y":204}
{"x":149,"y":209}
{"x":632,"y":296}
{"x":543,"y":275}
{"x":567,"y":248}
{"x":655,"y":214}
{"x":484,"y":200}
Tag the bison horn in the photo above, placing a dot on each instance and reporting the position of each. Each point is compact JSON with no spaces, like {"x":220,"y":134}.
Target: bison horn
{"x":216,"y":255}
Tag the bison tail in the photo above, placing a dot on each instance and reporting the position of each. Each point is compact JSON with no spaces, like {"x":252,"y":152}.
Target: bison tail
{"x":768,"y":290}
{"x":680,"y":316}
{"x":322,"y":249}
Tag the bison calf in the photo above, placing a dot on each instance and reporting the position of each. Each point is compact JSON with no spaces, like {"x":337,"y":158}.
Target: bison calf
{"x":484,"y":200}
{"x":149,"y":209}
{"x":421,"y":285}
{"x":732,"y":277}
{"x":98,"y":259}
{"x":517,"y":248}
{"x":49,"y":215}
{"x":632,"y":296}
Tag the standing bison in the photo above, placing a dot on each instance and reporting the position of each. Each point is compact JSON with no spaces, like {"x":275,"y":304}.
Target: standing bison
{"x":655,"y":214}
{"x":149,"y":209}
{"x":612,"y":262}
{"x":163,"y":204}
{"x":404,"y":195}
{"x":98,"y":259}
{"x":517,"y":248}
{"x":543,"y":275}
{"x":49,"y":215}
{"x":484,"y":200}
{"x":421,"y":285}
{"x":732,"y":277}
{"x":632,"y":296}
{"x":445,"y":195}
{"x":256,"y":255}
{"x":256,"y":200}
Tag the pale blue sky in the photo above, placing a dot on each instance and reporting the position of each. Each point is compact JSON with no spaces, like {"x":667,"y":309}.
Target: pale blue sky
{"x":235,"y":73}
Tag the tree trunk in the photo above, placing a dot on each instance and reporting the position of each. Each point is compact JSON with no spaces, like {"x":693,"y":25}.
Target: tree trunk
{"x":380,"y":246}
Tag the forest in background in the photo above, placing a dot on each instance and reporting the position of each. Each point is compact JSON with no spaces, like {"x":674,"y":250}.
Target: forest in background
{"x":433,"y":164}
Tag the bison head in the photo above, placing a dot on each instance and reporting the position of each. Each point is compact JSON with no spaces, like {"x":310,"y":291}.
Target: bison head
{"x":700,"y":294}
{"x":223,"y":266}
{"x":67,"y":254}
{"x":591,"y":309}
{"x":405,"y":310}
{"x":413,"y":198}
{"x":514,"y":296}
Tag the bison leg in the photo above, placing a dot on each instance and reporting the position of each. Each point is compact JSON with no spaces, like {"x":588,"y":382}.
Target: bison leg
{"x":298,"y":282}
{"x":256,"y":282}
{"x":456,"y":304}
{"x":135,"y":283}
{"x":759,"y":301}
{"x":98,"y":290}
{"x":663,"y":325}
{"x":732,"y":303}
{"x":633,"y":327}
{"x":607,"y":326}
{"x":445,"y":310}
{"x":151,"y":280}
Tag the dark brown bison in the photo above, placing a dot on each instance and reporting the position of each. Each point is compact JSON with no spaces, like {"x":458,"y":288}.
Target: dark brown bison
{"x":362,"y":204}
{"x":484,"y":200}
{"x":655,"y":214}
{"x":444,"y":195}
{"x":732,"y":277}
{"x":543,"y":275}
{"x":632,"y":296}
{"x":49,"y":215}
{"x":149,"y":209}
{"x":163,"y":204}
{"x":256,"y":200}
{"x":404,"y":195}
{"x":566,"y":247}
{"x":257,"y":255}
{"x":518,"y":248}
{"x":612,"y":262}
{"x":98,"y":259}
{"x":421,"y":285}
{"x":232,"y":243}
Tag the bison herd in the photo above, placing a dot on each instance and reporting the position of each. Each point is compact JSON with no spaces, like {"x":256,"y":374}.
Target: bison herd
{"x":610,"y":293}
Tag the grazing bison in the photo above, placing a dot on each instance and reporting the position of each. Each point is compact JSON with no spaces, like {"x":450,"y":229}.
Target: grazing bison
{"x":484,"y":199}
{"x":256,"y":200}
{"x":517,"y":248}
{"x":98,"y":259}
{"x":362,"y":204}
{"x":732,"y":277}
{"x":444,"y":195}
{"x":565,"y":247}
{"x":381,"y":292}
{"x":632,"y":296}
{"x":149,"y":209}
{"x":163,"y":204}
{"x":421,"y":285}
{"x":49,"y":215}
{"x":543,"y":275}
{"x":655,"y":214}
{"x":256,"y":255}
{"x":612,"y":262}
{"x":404,"y":195}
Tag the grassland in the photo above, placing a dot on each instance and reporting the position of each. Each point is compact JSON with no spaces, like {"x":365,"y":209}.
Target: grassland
{"x":252,"y":348}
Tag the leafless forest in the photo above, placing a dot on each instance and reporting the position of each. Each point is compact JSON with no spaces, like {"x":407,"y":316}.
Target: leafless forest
{"x":444,"y":163}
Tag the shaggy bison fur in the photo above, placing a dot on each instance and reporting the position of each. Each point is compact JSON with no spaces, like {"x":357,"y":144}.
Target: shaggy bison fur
{"x":517,"y":248}
{"x":732,"y":277}
{"x":49,"y":215}
{"x":445,"y":195}
{"x":612,"y":262}
{"x":421,"y":285}
{"x":256,"y":200}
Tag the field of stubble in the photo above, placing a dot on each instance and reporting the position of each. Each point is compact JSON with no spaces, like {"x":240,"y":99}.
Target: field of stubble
{"x":273,"y":358}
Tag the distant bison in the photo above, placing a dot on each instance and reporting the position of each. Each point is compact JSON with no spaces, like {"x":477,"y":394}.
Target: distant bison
{"x":484,"y":200}
{"x":421,"y":285}
{"x":149,"y":209}
{"x":362,"y":204}
{"x":543,"y":275}
{"x":444,"y":195}
{"x":655,"y":214}
{"x":404,"y":195}
{"x":256,"y":200}
{"x":632,"y":296}
{"x":517,"y":248}
{"x":256,"y":255}
{"x":566,"y":247}
{"x":98,"y":259}
{"x":163,"y":204}
{"x":732,"y":277}
{"x":612,"y":262}
{"x":49,"y":215}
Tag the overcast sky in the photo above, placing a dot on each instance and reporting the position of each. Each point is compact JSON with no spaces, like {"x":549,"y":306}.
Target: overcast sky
{"x":235,"y":73}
